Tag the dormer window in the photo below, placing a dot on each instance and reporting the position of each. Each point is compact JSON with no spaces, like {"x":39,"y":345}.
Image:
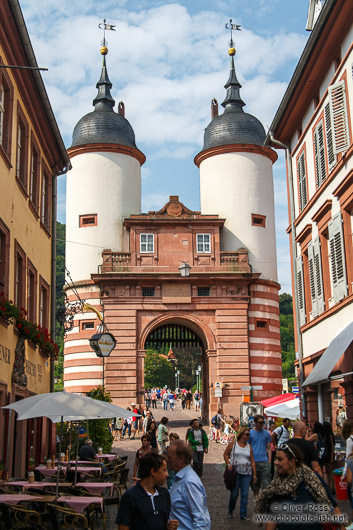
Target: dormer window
{"x":146,"y":243}
{"x":203,"y":242}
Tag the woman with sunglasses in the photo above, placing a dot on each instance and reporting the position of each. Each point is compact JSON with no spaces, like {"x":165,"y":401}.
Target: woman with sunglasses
{"x":295,"y":484}
{"x":239,"y":455}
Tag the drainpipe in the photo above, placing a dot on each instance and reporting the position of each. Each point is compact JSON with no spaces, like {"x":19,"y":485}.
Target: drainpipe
{"x":53,"y":268}
{"x":294,"y":265}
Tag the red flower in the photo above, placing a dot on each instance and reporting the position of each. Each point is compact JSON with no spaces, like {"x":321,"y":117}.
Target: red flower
{"x":19,"y":325}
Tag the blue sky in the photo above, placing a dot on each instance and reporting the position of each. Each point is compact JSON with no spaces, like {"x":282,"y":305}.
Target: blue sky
{"x":167,"y":60}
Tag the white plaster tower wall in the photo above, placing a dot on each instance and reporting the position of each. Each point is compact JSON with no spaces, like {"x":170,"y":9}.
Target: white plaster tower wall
{"x":106,"y":185}
{"x":238,"y":186}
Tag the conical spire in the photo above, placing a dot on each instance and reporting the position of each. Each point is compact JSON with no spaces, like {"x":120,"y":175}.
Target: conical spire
{"x":104,"y":99}
{"x":232,"y":85}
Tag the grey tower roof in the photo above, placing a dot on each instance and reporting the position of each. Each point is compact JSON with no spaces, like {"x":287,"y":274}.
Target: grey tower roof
{"x":234,"y":126}
{"x":103,"y":125}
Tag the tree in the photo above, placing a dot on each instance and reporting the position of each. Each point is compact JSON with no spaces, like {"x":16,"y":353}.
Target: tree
{"x":99,"y":431}
{"x":60,"y":282}
{"x":287,"y":335}
{"x":158,"y":371}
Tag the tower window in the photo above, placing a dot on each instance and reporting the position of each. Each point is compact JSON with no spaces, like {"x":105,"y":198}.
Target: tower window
{"x":203,"y":242}
{"x":148,"y":291}
{"x":88,"y":220}
{"x":258,"y":220}
{"x":87,"y":325}
{"x":203,"y":291}
{"x":146,"y":243}
{"x":261,"y":324}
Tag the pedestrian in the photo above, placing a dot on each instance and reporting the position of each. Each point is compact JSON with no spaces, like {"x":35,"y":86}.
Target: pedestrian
{"x":347,"y":434}
{"x":217,"y":422}
{"x":135,"y":422}
{"x":188,"y":399}
{"x":197,"y":400}
{"x":239,"y":454}
{"x":147,"y":421}
{"x":144,"y":449}
{"x":118,"y":427}
{"x":296,"y":484}
{"x":148,"y":398}
{"x":154,"y":399}
{"x":188,"y":495}
{"x":146,"y":506}
{"x":281,"y":435}
{"x":307,"y":448}
{"x":188,"y":432}
{"x":127,"y":425}
{"x":273,"y":448}
{"x":200,"y":404}
{"x":330,"y":461}
{"x":199,"y":443}
{"x":171,"y":401}
{"x":173,"y":436}
{"x":165,"y":400}
{"x":152,"y":432}
{"x":260,"y":441}
{"x":163,"y":433}
{"x":183,"y":400}
{"x":87,"y":452}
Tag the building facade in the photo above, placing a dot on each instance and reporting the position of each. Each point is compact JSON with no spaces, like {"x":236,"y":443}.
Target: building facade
{"x":32,"y":153}
{"x":228,"y":305}
{"x":314,"y":121}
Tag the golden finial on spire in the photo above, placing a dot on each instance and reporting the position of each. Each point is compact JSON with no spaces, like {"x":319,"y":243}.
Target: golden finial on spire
{"x":231,"y":27}
{"x":104,"y":26}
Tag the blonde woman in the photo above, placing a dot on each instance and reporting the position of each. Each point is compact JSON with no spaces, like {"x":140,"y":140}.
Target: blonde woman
{"x":239,"y":455}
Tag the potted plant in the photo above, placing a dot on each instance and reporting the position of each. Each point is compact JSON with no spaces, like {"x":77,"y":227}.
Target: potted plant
{"x":32,"y":462}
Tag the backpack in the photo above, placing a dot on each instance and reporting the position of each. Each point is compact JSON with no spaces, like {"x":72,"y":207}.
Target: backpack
{"x":214,"y":420}
{"x":321,"y":449}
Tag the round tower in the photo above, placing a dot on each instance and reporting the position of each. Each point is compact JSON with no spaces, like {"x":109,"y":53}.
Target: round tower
{"x":104,"y":185}
{"x":236,"y":180}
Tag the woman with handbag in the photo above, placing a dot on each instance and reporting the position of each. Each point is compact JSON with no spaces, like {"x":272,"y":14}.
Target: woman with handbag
{"x":163,"y":433}
{"x":239,"y":456}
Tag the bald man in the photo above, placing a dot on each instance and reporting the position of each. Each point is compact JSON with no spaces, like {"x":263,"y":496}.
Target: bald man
{"x":307,"y":448}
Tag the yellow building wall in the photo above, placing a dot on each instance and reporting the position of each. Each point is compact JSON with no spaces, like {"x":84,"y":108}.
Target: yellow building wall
{"x":26,"y":228}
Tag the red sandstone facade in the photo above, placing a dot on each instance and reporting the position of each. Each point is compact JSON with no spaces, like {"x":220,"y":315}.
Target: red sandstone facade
{"x":233,"y":312}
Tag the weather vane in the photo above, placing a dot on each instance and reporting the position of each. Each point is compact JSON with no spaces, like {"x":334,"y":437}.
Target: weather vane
{"x":104,"y":26}
{"x":232,"y":27}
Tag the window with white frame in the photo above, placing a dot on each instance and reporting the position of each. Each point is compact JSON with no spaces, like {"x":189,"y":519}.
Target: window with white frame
{"x":302,"y":185}
{"x":339,"y":119}
{"x":146,"y":243}
{"x":203,"y":243}
{"x":319,"y":152}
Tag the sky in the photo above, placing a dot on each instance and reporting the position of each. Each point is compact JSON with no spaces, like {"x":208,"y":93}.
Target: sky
{"x":167,"y":60}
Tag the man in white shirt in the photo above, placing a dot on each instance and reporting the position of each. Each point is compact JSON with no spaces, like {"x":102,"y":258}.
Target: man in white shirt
{"x":281,"y":435}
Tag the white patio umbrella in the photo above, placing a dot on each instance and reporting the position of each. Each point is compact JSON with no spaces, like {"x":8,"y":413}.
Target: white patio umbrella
{"x":66,"y":406}
{"x":288,"y":409}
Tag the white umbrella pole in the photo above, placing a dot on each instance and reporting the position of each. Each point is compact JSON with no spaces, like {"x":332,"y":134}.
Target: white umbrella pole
{"x":75,"y":481}
{"x":58,"y":471}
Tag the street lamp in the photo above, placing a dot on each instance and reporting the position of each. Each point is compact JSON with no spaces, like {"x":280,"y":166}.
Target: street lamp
{"x":197,"y":379}
{"x":185,"y":269}
{"x":178,"y":374}
{"x":176,"y":380}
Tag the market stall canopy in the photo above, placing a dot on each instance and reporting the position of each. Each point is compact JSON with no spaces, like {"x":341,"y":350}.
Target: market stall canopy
{"x":66,"y":406}
{"x":288,"y":409}
{"x":278,"y":399}
{"x":321,"y":371}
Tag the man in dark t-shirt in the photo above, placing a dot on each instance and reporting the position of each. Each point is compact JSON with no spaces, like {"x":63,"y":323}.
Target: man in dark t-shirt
{"x":308,"y":450}
{"x":146,"y":506}
{"x":87,"y":452}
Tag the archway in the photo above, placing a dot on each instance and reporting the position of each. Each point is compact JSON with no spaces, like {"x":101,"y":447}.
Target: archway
{"x":182,"y":345}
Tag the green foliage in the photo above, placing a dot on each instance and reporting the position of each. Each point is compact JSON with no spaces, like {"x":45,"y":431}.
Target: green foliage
{"x":158,"y":371}
{"x":287,"y":335}
{"x":60,"y":282}
{"x":98,"y":430}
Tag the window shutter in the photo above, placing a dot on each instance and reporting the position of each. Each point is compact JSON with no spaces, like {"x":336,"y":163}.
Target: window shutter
{"x":320,"y":300}
{"x":338,"y":108}
{"x":329,"y":140}
{"x":300,"y":284}
{"x":303,"y":196}
{"x":312,"y":279}
{"x":319,"y":151}
{"x":337,"y":258}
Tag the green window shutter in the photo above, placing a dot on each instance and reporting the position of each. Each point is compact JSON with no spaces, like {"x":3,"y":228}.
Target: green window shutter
{"x":332,"y":158}
{"x":303,"y":194}
{"x":337,"y":258}
{"x":319,"y":288}
{"x":312,"y":279}
{"x":301,"y":294}
{"x":338,"y":109}
{"x":319,"y":152}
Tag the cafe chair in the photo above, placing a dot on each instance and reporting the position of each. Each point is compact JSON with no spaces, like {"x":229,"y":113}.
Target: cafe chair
{"x":121,"y":483}
{"x":16,"y":516}
{"x":62,"y":517}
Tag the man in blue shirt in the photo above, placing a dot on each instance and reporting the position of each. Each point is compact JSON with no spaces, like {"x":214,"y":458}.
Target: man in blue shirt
{"x":188,"y":496}
{"x":260,"y":441}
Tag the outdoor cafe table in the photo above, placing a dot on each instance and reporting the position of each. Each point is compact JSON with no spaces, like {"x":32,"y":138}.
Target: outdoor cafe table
{"x":79,"y":503}
{"x":15,"y":498}
{"x":96,"y":487}
{"x":48,"y":471}
{"x":88,"y":470}
{"x":24,"y":484}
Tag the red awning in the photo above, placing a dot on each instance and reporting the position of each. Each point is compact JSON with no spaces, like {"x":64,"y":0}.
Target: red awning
{"x":278,"y":399}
